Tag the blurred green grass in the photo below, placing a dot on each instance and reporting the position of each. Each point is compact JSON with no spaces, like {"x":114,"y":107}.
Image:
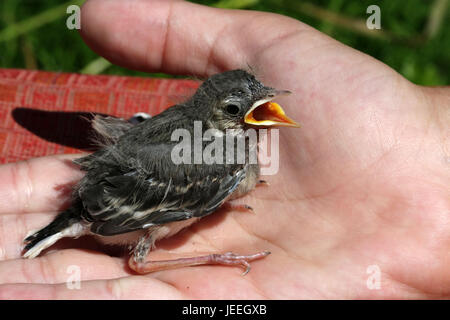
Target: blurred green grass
{"x":414,"y":40}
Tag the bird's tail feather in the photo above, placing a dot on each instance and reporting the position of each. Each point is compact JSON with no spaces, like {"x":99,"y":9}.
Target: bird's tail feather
{"x":67,"y":223}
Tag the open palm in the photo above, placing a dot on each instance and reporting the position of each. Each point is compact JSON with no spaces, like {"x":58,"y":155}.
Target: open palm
{"x":360,"y":206}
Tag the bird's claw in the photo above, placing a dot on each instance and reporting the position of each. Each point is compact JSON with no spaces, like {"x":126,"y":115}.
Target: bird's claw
{"x":229,"y":258}
{"x":240,"y":207}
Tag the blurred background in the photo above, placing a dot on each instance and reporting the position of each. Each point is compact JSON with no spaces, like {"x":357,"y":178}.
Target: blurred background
{"x":414,"y":39}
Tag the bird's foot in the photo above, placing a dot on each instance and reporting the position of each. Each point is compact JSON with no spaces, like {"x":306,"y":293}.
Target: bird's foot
{"x":228,"y":259}
{"x":239,"y":207}
{"x":262,"y":183}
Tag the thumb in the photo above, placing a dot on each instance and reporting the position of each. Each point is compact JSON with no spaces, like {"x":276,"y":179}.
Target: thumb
{"x":180,"y":37}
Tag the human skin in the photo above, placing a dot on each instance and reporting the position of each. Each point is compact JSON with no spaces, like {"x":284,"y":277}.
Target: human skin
{"x":365,"y":181}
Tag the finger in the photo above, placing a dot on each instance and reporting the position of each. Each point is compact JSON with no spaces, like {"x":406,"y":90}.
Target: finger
{"x":179,"y":37}
{"x":133,"y":287}
{"x":62,"y":267}
{"x":37,"y":185}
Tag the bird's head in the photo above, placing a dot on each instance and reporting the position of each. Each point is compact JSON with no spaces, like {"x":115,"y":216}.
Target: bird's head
{"x":237,"y":100}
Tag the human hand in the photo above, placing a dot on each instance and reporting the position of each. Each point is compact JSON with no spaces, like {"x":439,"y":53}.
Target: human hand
{"x":364,"y":182}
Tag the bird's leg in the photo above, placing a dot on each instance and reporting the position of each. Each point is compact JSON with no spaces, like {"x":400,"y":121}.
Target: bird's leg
{"x":141,"y":250}
{"x":228,"y":259}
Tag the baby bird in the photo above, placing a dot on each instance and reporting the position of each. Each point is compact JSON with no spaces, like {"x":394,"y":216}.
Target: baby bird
{"x":134,"y":191}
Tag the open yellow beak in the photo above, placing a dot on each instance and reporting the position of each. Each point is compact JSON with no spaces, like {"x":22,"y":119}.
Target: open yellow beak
{"x":267,"y":113}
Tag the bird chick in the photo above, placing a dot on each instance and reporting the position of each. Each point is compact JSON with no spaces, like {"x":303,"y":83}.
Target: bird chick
{"x":134,"y":192}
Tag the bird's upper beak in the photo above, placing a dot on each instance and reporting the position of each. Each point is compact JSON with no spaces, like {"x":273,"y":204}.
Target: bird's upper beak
{"x":266,"y":113}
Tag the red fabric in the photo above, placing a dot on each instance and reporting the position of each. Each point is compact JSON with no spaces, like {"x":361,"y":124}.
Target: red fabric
{"x":38,"y":110}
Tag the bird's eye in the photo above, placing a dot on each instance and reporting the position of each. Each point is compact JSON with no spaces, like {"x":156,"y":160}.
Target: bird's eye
{"x":232,"y":109}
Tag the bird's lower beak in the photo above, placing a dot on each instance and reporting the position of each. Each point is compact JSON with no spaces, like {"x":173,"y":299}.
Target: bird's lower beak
{"x":267,"y":113}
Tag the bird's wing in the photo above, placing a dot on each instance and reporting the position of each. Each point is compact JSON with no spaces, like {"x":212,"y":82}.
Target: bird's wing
{"x":118,"y":134}
{"x":155,"y":191}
